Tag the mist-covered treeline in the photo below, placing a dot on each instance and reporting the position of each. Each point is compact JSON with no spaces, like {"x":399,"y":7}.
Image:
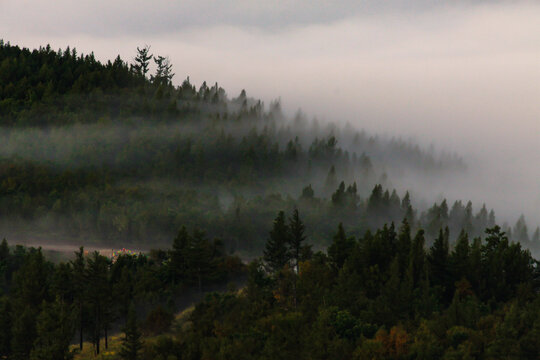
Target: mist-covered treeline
{"x":112,"y":152}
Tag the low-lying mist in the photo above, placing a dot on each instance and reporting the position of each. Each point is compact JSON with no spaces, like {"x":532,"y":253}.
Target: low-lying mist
{"x":463,"y":78}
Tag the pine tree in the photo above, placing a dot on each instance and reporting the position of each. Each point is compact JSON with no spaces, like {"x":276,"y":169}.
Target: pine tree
{"x":521,"y":232}
{"x":403,"y":247}
{"x":142,"y":60}
{"x":296,"y":247}
{"x":341,"y":247}
{"x":55,"y":329}
{"x":164,"y":74}
{"x":438,"y":260}
{"x":535,"y":239}
{"x":131,"y":343}
{"x":23,"y":334}
{"x":6,"y":320}
{"x":4,"y":264}
{"x":79,"y":282}
{"x":417,"y":259}
{"x":178,"y":263}
{"x":98,"y":291}
{"x":331,"y":180}
{"x":296,"y":238}
{"x":199,"y":258}
{"x":460,"y":257}
{"x":275,"y":252}
{"x":307,"y":192}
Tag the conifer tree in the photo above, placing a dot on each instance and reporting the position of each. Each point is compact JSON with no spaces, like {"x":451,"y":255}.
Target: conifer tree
{"x":438,"y":260}
{"x":417,"y":259}
{"x":403,"y":247}
{"x":460,"y":257}
{"x":178,"y":263}
{"x":54,"y":330}
{"x":4,"y":264}
{"x":142,"y":60}
{"x":341,"y":247}
{"x":275,"y":252}
{"x":199,"y":258}
{"x":296,"y":238}
{"x":307,"y":192}
{"x":23,"y":334}
{"x":79,"y":282}
{"x":331,"y":180}
{"x":6,"y":321}
{"x":98,"y":291}
{"x":131,"y":343}
{"x":164,"y":73}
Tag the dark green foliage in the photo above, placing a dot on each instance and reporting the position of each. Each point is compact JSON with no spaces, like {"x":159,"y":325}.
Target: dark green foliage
{"x":296,"y":239}
{"x":158,"y":321}
{"x":54,"y":330}
{"x":103,"y":151}
{"x":131,"y":343}
{"x":23,"y":333}
{"x":439,"y":265}
{"x":341,"y":247}
{"x":372,"y":309}
{"x":276,"y":253}
{"x":142,"y":60}
{"x":6,"y":322}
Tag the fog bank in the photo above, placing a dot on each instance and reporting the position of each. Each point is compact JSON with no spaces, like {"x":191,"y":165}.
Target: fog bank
{"x":465,"y":77}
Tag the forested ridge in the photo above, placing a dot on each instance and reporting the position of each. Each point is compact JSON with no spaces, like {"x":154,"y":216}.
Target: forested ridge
{"x":337,"y":262}
{"x":383,"y":295}
{"x":114,"y":153}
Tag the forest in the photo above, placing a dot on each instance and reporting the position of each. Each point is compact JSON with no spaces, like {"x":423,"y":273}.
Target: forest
{"x":107,"y":153}
{"x":384,"y":295}
{"x":293,"y":237}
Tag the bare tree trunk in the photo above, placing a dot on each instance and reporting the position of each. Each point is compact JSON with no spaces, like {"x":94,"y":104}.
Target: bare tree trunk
{"x":80,"y":325}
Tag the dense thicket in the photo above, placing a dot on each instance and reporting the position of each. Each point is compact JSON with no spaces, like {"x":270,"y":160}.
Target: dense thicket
{"x":384,"y":295}
{"x":46,"y":307}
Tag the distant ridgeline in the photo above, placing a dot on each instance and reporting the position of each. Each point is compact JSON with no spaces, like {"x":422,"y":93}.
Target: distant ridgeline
{"x":108,"y":152}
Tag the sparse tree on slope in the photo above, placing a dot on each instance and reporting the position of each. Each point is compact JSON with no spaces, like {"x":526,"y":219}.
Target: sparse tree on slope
{"x":131,"y":343}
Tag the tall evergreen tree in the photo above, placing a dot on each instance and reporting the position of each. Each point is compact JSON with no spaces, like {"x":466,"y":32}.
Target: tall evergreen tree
{"x":439,"y":267}
{"x":341,"y":247}
{"x":54,"y":330}
{"x":6,"y":322}
{"x":276,"y":253}
{"x":403,"y":247}
{"x":460,"y":257}
{"x":142,"y":60}
{"x":23,"y":333}
{"x":79,"y":291}
{"x":417,"y":259}
{"x":164,"y":73}
{"x":98,"y":291}
{"x":178,"y":255}
{"x":131,"y":343}
{"x":296,"y":238}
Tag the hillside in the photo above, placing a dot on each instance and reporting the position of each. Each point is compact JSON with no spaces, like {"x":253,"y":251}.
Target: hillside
{"x":106,"y":154}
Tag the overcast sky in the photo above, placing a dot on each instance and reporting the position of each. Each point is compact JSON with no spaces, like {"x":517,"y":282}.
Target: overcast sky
{"x":464,"y":76}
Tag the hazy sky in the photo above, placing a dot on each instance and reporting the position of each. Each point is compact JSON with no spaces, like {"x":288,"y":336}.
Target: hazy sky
{"x":464,"y":76}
